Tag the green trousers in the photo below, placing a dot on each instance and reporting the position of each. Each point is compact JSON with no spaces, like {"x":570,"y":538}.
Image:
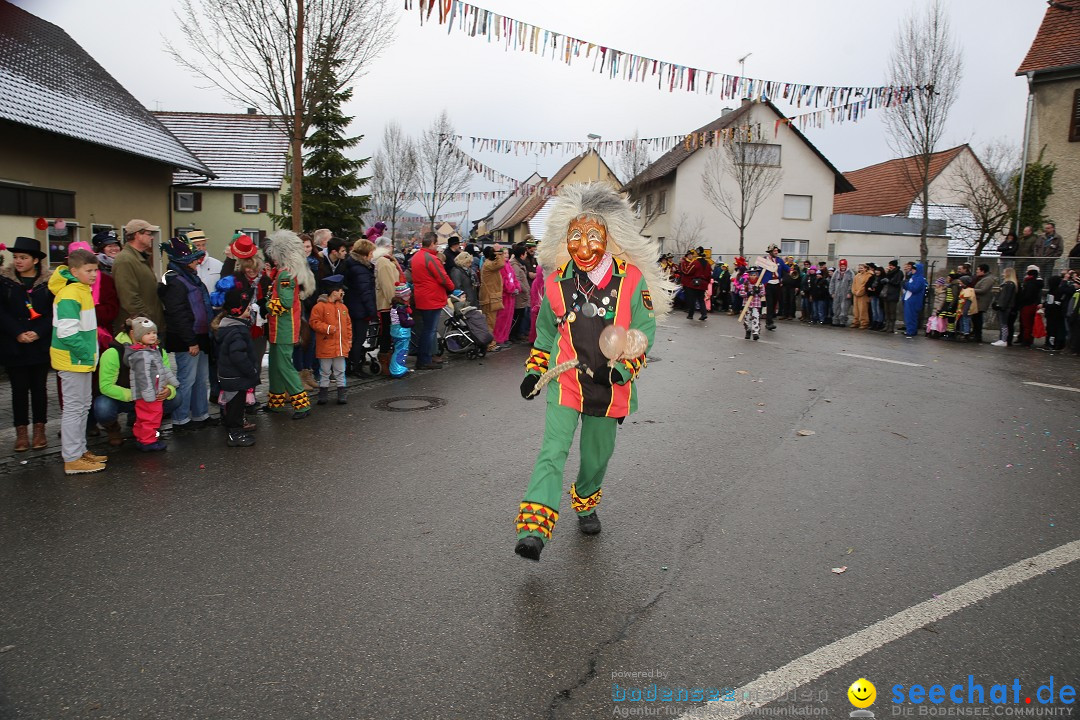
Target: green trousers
{"x":285,"y":385}
{"x":539,"y":509}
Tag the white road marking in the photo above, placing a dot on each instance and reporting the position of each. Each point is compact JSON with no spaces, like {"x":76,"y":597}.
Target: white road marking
{"x":1053,"y":387}
{"x":877,"y":359}
{"x":777,"y":683}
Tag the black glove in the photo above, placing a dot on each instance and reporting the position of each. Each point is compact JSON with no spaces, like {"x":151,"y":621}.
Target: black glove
{"x":603,"y":376}
{"x":528,"y":384}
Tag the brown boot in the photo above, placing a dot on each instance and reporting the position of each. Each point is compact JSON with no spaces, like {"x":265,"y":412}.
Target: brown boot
{"x":22,"y":439}
{"x":40,"y":441}
{"x":384,"y":364}
{"x":116,"y":435}
{"x":308,"y":380}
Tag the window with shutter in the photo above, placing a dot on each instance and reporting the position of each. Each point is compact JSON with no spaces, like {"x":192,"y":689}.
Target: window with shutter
{"x":1074,"y":119}
{"x":185,"y":201}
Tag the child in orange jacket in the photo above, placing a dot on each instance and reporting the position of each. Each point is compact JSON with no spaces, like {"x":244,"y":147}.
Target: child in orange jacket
{"x":332,"y":328}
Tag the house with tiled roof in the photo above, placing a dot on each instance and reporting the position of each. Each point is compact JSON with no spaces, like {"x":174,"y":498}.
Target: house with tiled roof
{"x":1052,"y":69}
{"x":893,"y":189}
{"x":248,"y":154}
{"x":669,"y":195}
{"x":528,"y":214}
{"x":74,"y":144}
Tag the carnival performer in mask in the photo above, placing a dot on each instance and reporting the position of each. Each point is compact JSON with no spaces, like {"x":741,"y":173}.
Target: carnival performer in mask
{"x":598,"y":272}
{"x":292,"y":283}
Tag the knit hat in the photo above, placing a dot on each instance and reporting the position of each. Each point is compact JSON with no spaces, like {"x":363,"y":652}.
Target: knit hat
{"x":1032,"y":267}
{"x":242,"y":247}
{"x":967,"y":280}
{"x":181,"y":251}
{"x":140,"y":326}
{"x":941,"y":281}
{"x":894,"y":263}
{"x":812,"y":270}
{"x":401,"y":289}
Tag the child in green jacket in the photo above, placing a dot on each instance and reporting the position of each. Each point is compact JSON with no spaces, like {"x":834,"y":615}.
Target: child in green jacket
{"x":74,"y":355}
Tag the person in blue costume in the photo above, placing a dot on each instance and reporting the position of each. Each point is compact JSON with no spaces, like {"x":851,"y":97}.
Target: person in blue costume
{"x":914,"y":290}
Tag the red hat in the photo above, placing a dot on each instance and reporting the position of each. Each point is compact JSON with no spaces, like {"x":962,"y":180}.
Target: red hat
{"x":242,"y":247}
{"x":843,"y":262}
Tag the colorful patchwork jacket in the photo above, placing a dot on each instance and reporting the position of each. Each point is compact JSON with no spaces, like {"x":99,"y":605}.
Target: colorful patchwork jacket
{"x":565,"y":332}
{"x":283,"y":307}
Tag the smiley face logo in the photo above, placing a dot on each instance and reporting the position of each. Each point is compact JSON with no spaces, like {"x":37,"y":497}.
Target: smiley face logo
{"x":862,"y":693}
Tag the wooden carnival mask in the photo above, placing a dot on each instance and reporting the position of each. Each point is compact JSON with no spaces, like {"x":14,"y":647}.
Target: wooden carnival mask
{"x":586,"y":241}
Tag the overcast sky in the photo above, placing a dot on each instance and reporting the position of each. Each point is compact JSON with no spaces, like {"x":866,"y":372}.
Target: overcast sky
{"x":491,"y":92}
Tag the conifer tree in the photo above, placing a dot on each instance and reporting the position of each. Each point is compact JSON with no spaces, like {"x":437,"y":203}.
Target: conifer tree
{"x":331,"y":180}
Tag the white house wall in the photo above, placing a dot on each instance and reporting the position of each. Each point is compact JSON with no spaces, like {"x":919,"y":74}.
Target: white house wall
{"x":803,"y":174}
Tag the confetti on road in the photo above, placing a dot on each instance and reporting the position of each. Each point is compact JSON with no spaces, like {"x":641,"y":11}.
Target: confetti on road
{"x":805,"y":433}
{"x":743,"y":372}
{"x":842,"y":568}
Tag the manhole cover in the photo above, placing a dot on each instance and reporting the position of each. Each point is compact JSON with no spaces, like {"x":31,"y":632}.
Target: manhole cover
{"x":409,"y":403}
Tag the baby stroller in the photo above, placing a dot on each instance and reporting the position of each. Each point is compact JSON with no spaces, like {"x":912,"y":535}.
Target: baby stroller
{"x":466,"y":330}
{"x":369,"y":348}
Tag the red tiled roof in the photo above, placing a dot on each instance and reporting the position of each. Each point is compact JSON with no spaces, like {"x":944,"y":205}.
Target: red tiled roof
{"x":888,"y":188}
{"x":1057,"y":44}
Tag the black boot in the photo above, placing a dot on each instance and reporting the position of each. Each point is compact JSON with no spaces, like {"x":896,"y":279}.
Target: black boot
{"x":238,"y":438}
{"x":589,"y":524}
{"x":529,"y":547}
{"x":324,"y":396}
{"x":342,"y":394}
{"x":747,"y":334}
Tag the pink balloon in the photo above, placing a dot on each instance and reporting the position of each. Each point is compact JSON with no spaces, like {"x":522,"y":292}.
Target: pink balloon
{"x":59,"y":225}
{"x":612,"y":341}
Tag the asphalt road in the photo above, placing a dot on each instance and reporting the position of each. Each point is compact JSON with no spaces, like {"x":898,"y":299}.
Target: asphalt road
{"x":359,"y":564}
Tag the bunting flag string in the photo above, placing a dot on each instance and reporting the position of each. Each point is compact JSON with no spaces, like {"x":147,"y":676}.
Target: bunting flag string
{"x":454,"y":196}
{"x":514,"y":34}
{"x":751,"y":133}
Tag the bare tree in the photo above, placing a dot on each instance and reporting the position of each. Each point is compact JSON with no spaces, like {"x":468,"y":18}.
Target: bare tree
{"x":258,"y":53}
{"x":926,"y":59}
{"x":983,"y":187}
{"x":739,"y":176}
{"x":440,"y":171}
{"x":634,"y":158}
{"x":394,"y":175}
{"x":686,"y":234}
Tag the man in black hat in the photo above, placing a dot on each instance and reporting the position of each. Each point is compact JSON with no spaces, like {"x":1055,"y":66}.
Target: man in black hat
{"x":453,"y":247}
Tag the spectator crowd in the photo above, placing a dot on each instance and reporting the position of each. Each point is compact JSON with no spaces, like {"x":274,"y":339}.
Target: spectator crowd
{"x":125,"y":340}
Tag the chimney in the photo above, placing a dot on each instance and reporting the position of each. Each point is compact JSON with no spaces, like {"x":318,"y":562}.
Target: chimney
{"x":252,"y":111}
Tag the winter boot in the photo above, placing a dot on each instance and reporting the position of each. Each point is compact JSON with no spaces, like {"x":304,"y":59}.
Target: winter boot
{"x":238,"y":438}
{"x":116,"y":436}
{"x":342,"y":396}
{"x":529,"y":547}
{"x":40,"y":441}
{"x":324,"y":394}
{"x":747,"y":334}
{"x":589,"y":524}
{"x":81,"y":466}
{"x":22,"y":438}
{"x":308,"y":380}
{"x":384,"y":364}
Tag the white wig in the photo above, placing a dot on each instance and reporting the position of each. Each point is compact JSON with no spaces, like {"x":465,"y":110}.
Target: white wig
{"x":285,"y":249}
{"x":600,"y":200}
